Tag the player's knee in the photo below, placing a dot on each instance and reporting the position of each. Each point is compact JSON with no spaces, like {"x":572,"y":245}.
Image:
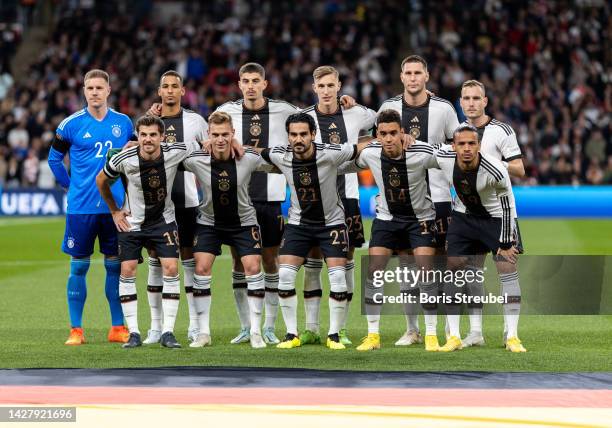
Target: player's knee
{"x":79,"y":266}
{"x":170,"y":269}
{"x":252,"y":267}
{"x":203,"y":270}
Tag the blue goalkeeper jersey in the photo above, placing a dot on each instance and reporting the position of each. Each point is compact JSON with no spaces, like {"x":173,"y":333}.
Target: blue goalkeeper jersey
{"x":87,"y":140}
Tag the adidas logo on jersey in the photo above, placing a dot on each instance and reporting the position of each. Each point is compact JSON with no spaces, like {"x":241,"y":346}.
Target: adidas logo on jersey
{"x":394,"y":169}
{"x":415,"y":120}
{"x":87,"y":135}
{"x":223,"y":174}
{"x":170,"y":128}
{"x":332,"y":126}
{"x":256,"y":117}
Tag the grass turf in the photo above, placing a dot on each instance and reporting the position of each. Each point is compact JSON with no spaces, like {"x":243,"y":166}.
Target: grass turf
{"x":33,"y":274}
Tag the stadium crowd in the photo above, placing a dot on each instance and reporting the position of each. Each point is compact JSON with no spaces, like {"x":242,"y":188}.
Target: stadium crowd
{"x":547,"y":67}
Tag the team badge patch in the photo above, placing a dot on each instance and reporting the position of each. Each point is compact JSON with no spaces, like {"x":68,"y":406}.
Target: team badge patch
{"x":415,"y":132}
{"x":70,"y":242}
{"x":224,"y":185}
{"x":116,"y":131}
{"x":305,"y":178}
{"x":154,"y":182}
{"x":170,"y":139}
{"x":394,"y":180}
{"x":334,"y":138}
{"x":255,"y":129}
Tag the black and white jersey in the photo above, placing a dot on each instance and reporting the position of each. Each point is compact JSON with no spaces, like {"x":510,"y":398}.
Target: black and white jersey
{"x":226,"y":187}
{"x":313,"y":182}
{"x":498,"y":140}
{"x":148,"y":183}
{"x":185,"y":126}
{"x":343,"y":127}
{"x":402,"y":182}
{"x":262,"y":128}
{"x":483,"y":192}
{"x":433,"y":122}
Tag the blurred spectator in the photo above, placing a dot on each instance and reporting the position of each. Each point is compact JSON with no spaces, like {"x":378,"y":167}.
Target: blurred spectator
{"x":546,"y":65}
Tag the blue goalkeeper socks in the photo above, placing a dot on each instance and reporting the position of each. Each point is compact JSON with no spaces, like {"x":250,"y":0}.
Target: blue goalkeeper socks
{"x":77,"y":290}
{"x":113,"y":268}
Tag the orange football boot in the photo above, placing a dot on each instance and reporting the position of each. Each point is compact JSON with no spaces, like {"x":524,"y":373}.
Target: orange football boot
{"x":119,"y":334}
{"x":76,"y":337}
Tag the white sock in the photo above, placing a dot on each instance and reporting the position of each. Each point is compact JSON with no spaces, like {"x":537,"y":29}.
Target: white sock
{"x":129,"y":302}
{"x":312,"y":293}
{"x":475,"y":288}
{"x":271,"y":299}
{"x":410,"y":309}
{"x":170,"y":301}
{"x":240,"y":297}
{"x":453,"y":325}
{"x":256,"y":294}
{"x":511,"y":291}
{"x":287,"y":298}
{"x":154,"y":293}
{"x":372,"y":309}
{"x":337,"y":298}
{"x":189,"y":271}
{"x":350,"y":287}
{"x":430,"y":311}
{"x":201,"y":300}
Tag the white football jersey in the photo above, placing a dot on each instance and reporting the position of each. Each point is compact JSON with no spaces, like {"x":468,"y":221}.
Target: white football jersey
{"x":185,"y":126}
{"x":343,"y":127}
{"x":149,"y":182}
{"x":262,"y":128}
{"x":313,"y":182}
{"x":433,"y":122}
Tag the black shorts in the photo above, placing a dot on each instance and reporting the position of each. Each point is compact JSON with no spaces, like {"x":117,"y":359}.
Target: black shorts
{"x":186,"y":220}
{"x":299,"y":240}
{"x":354,"y":225}
{"x":398,"y":236}
{"x":271,"y":222}
{"x":517,"y":237}
{"x":162,"y":238}
{"x":470,"y":235}
{"x":245,"y":239}
{"x":444,"y":211}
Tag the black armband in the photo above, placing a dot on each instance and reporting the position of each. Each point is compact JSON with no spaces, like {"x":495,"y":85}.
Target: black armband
{"x":59,"y":144}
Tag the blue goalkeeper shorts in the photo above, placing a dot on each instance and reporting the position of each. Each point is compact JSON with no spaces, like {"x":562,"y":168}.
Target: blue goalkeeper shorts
{"x":82,"y":230}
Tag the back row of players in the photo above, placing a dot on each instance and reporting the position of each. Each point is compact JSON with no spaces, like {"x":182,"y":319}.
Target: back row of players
{"x":319,"y":225}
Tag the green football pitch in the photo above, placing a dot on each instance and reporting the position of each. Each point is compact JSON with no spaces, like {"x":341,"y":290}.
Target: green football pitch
{"x":33,"y":274}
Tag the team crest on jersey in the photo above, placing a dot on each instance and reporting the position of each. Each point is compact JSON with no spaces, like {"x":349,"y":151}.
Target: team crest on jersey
{"x":394,"y":180}
{"x":255,"y":129}
{"x":224,"y":184}
{"x":154,"y":182}
{"x":170,"y":138}
{"x":70,"y":242}
{"x":334,"y":138}
{"x":116,"y":130}
{"x":465,"y":187}
{"x":415,"y":131}
{"x":305,"y":178}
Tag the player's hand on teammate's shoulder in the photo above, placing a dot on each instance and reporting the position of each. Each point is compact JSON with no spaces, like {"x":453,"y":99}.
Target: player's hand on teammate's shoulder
{"x":407,"y":141}
{"x":347,"y":101}
{"x":155,"y":110}
{"x":510,"y":255}
{"x":119,"y":217}
{"x":236,"y":149}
